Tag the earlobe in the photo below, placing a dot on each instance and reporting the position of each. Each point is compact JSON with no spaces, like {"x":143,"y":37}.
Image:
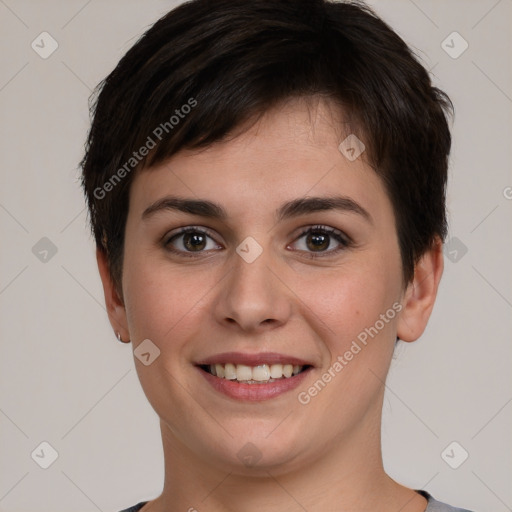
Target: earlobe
{"x":421,"y":294}
{"x":115,"y":307}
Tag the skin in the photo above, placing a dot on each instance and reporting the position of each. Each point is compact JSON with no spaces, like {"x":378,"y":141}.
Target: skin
{"x":325,"y":455}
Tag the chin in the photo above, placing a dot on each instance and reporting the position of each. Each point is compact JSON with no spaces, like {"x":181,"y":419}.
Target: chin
{"x":258,"y":454}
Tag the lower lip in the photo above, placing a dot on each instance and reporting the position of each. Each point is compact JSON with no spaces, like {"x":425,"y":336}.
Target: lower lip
{"x":254,"y":392}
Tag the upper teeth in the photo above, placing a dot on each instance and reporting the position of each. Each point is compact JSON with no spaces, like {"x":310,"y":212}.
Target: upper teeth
{"x":260,"y":373}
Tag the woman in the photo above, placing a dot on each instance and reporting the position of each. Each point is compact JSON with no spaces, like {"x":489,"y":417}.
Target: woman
{"x":266,"y":183}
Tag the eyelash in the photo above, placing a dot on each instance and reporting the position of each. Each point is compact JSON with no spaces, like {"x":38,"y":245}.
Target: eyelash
{"x":344,"y":240}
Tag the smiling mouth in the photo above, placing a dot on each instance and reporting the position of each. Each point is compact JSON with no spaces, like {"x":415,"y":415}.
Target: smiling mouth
{"x":260,"y":374}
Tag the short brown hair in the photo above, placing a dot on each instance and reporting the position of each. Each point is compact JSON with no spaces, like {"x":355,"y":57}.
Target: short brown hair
{"x":207,"y":67}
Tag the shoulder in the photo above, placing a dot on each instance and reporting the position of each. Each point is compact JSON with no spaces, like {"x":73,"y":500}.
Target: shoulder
{"x":437,"y":506}
{"x":135,"y":508}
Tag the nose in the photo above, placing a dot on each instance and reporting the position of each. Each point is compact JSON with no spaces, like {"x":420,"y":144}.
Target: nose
{"x":253,"y":297}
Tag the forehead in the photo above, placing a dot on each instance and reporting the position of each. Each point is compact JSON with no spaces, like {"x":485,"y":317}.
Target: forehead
{"x":292,"y":151}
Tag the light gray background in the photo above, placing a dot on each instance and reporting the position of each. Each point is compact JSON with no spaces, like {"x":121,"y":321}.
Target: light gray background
{"x":66,"y":380}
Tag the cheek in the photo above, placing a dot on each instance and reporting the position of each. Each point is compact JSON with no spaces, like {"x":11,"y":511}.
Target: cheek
{"x":165,"y":302}
{"x":166,"y":306}
{"x":357,"y":312}
{"x":351,"y":298}
{"x":154,"y":298}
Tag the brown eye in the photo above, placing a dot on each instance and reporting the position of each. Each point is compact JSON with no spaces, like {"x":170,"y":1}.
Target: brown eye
{"x":190,"y":240}
{"x":322,"y":241}
{"x":317,"y":241}
{"x":194,"y":241}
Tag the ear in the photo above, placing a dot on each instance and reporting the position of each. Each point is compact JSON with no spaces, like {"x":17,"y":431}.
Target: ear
{"x":115,"y":306}
{"x":421,"y":294}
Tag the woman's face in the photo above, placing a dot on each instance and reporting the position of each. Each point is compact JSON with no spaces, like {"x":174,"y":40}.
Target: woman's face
{"x":257,"y":281}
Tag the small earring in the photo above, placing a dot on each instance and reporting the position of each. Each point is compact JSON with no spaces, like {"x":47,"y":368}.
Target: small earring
{"x":118,"y":335}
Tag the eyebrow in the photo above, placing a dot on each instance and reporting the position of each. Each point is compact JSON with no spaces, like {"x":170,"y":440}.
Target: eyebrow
{"x":288,"y":210}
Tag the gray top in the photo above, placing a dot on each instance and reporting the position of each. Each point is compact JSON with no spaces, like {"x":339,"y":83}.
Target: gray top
{"x":432,"y":506}
{"x":436,"y":506}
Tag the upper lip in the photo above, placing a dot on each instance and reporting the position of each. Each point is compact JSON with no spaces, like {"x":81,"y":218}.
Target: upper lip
{"x":253,"y":359}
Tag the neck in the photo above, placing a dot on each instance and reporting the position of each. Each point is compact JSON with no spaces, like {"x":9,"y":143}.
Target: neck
{"x":348,"y":476}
